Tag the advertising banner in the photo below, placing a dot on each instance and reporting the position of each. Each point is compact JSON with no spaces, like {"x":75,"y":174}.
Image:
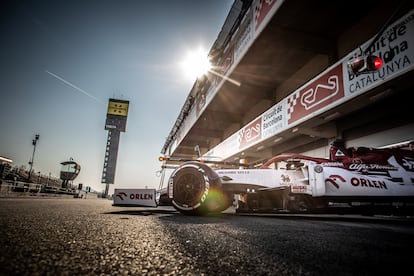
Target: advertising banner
{"x":250,"y":134}
{"x":395,"y":46}
{"x":329,"y":89}
{"x":316,"y":94}
{"x":274,"y":120}
{"x":263,"y":12}
{"x":134,"y":197}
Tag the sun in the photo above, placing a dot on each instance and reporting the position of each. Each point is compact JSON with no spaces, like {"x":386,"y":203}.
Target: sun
{"x":196,"y":64}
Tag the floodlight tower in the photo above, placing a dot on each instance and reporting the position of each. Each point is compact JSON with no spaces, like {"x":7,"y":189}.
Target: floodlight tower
{"x":31,"y":162}
{"x":116,"y":118}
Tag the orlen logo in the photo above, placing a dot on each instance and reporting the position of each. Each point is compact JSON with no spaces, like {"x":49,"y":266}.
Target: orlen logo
{"x":138,"y":196}
{"x":121,"y":195}
{"x":333,"y":180}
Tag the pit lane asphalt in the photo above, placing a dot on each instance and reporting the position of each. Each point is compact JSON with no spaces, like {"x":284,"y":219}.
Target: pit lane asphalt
{"x":55,"y":236}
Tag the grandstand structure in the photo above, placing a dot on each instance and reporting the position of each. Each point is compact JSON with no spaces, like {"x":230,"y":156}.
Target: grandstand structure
{"x":296,"y":93}
{"x":15,"y":180}
{"x":18,"y":181}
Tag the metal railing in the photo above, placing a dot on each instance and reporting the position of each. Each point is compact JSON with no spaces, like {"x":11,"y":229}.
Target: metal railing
{"x":10,"y":187}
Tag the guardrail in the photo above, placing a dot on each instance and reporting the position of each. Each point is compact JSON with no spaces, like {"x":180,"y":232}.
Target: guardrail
{"x":9,"y":187}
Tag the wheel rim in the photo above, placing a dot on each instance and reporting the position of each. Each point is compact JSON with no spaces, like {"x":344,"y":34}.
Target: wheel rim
{"x":188,"y":188}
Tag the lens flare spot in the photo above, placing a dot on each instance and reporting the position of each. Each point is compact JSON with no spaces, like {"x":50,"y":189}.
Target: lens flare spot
{"x":217,"y":200}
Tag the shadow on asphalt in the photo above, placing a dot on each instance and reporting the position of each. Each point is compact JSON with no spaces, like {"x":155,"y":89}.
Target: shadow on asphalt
{"x":326,"y":217}
{"x":144,"y":212}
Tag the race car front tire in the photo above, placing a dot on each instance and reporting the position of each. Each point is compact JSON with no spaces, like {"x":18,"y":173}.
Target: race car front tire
{"x":197,"y":190}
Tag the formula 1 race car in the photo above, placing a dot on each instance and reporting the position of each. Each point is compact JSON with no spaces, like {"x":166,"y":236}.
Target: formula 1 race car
{"x":353,"y":180}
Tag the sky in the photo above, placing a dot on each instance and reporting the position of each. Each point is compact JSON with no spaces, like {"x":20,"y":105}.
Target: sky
{"x":61,"y":61}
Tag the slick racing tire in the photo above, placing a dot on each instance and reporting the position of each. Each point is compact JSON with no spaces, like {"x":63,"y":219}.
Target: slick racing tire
{"x":197,"y":190}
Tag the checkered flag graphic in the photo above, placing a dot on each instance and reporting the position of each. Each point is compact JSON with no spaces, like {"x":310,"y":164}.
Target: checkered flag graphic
{"x":291,"y":103}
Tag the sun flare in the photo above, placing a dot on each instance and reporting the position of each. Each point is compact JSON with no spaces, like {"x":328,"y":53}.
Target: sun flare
{"x":196,"y":64}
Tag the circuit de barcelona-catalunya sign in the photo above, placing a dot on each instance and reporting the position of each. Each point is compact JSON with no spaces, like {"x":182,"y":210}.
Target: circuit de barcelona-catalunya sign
{"x":332,"y":87}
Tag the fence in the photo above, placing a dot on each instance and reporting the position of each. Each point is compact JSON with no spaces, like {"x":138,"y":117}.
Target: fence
{"x":18,"y":188}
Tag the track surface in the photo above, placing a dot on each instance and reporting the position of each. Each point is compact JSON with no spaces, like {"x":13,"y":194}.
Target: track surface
{"x":51,"y":236}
